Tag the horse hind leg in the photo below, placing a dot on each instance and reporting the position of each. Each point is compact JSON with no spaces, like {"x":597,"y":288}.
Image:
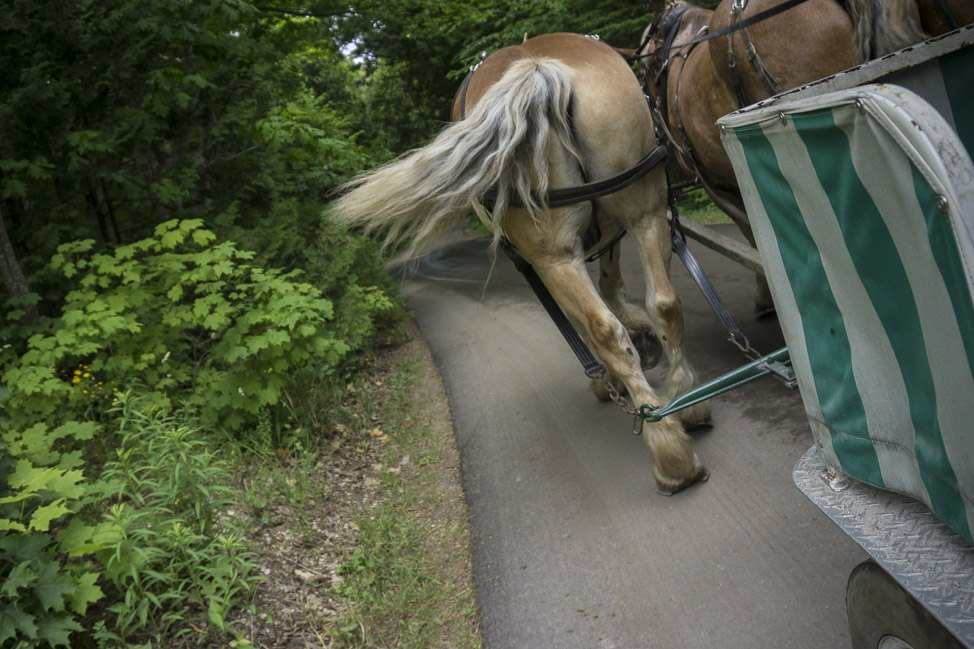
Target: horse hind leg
{"x":633,"y":317}
{"x":675,"y":464}
{"x":733,"y":206}
{"x":663,"y":304}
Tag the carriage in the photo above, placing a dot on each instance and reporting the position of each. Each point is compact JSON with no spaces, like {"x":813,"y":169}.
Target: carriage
{"x":860,"y":190}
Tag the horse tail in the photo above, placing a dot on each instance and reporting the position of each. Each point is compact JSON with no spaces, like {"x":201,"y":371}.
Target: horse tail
{"x":502,"y":145}
{"x":884,"y":26}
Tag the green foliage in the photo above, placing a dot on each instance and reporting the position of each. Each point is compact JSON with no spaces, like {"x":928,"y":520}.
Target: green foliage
{"x":696,"y":204}
{"x":171,"y":561}
{"x":42,"y":492}
{"x":117,"y":116}
{"x":417,"y":51}
{"x":188,"y":319}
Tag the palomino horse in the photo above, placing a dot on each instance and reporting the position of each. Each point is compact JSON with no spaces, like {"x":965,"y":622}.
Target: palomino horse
{"x":701,"y":80}
{"x":555,"y":111}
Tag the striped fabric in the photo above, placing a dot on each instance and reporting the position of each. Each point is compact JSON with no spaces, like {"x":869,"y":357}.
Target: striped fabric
{"x":862,"y":204}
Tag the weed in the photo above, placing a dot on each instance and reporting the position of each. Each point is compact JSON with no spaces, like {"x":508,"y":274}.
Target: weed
{"x":174,"y":564}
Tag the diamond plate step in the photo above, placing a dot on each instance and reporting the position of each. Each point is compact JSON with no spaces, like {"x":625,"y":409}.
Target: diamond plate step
{"x":903,"y":536}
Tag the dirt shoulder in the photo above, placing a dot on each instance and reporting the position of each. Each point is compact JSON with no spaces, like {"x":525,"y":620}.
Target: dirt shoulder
{"x":365,"y":543}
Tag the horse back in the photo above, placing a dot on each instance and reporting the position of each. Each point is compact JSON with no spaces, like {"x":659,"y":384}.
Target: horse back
{"x":810,"y":41}
{"x":596,"y":67}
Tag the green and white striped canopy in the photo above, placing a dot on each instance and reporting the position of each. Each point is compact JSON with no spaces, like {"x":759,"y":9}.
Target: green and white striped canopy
{"x":862,"y":205}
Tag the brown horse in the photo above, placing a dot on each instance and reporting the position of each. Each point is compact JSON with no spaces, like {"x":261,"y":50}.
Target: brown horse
{"x":555,"y":111}
{"x":708,"y":79}
{"x":941,"y":16}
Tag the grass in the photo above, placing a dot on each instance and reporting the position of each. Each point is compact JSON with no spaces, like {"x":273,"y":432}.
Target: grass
{"x":697,"y":205}
{"x":407,"y":581}
{"x":360,"y":521}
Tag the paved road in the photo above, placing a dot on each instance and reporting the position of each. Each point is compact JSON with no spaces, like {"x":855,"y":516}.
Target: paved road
{"x":572,"y":546}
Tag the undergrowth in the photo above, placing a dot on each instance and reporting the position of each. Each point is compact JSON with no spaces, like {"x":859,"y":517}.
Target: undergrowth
{"x":171,"y":558}
{"x":397,"y":580}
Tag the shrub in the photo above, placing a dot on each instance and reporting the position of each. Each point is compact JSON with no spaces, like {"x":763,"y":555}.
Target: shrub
{"x":190,"y":320}
{"x":42,"y":492}
{"x":168,"y":547}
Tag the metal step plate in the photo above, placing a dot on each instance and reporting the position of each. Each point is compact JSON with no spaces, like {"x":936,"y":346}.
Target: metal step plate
{"x":903,"y":536}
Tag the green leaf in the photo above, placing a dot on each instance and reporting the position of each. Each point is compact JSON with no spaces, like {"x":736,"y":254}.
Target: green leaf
{"x":86,"y":591}
{"x":75,"y":535}
{"x":12,"y":620}
{"x":41,"y":520}
{"x":30,"y":478}
{"x":52,"y":587}
{"x":203,"y":237}
{"x":215,"y":614}
{"x":80,"y":430}
{"x":56,"y":630}
{"x":22,"y":575}
{"x":7,"y":525}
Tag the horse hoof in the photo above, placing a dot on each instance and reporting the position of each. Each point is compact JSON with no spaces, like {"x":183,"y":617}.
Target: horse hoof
{"x":695,"y":416}
{"x":703,"y":423}
{"x":668,"y":488}
{"x":599,"y":391}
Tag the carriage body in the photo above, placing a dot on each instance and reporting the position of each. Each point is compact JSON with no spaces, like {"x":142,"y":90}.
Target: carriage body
{"x":860,"y":191}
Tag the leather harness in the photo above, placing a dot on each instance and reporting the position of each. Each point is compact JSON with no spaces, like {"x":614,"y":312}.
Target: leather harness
{"x":587,"y":191}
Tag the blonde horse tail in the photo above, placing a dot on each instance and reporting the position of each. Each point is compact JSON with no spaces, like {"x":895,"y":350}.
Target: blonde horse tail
{"x":884,"y":26}
{"x":502,"y":145}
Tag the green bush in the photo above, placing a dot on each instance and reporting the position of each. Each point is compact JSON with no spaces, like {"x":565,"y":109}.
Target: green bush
{"x":165,"y":550}
{"x":189,"y":320}
{"x":167,"y":545}
{"x":45,"y":577}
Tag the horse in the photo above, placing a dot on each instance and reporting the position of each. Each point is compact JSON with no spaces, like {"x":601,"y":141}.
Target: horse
{"x":937,"y":17}
{"x":692,"y":82}
{"x":554,"y":111}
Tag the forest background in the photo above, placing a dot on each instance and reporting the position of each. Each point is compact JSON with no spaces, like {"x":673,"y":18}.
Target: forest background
{"x":179,"y":308}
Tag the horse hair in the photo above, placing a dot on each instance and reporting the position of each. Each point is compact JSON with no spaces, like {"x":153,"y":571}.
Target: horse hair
{"x":883,"y":26}
{"x":503,"y":144}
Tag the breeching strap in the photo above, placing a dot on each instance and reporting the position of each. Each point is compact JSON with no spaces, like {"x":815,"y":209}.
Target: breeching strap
{"x":593,"y":368}
{"x":590,"y":191}
{"x":568,"y":196}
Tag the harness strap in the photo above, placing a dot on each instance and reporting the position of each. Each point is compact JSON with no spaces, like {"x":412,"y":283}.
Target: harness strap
{"x":703,"y":282}
{"x":945,"y":10}
{"x":593,"y":368}
{"x":463,"y":92}
{"x":590,"y":191}
{"x":747,"y":22}
{"x":737,"y":12}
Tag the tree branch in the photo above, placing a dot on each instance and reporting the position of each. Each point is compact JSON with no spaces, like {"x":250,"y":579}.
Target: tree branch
{"x":301,"y":13}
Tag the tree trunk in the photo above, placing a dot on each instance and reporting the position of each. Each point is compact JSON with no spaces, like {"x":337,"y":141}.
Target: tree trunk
{"x":13,"y":275}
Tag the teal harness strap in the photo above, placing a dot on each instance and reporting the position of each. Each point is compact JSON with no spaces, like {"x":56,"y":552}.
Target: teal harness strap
{"x":777,"y":363}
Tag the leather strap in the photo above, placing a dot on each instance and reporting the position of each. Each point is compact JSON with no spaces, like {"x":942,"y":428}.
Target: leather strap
{"x":703,"y":282}
{"x":590,"y":191}
{"x":593,"y":368}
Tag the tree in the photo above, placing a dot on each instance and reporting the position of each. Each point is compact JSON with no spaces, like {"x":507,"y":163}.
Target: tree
{"x":415,"y":52}
{"x":13,"y":277}
{"x":118,"y":116}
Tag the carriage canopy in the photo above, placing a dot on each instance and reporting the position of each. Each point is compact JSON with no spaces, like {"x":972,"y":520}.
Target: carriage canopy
{"x":862,"y":204}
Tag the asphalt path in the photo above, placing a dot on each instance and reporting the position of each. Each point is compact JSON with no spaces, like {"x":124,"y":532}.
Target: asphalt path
{"x":572,"y":546}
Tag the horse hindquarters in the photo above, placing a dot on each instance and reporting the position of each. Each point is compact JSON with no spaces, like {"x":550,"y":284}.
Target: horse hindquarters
{"x":502,"y":144}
